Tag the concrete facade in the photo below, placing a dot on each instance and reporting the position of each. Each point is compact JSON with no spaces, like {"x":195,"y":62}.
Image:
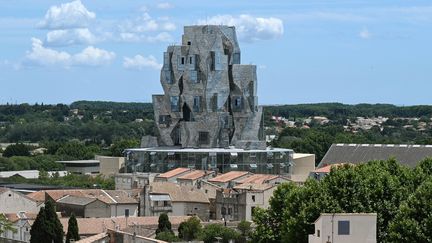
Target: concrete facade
{"x":345,"y":227}
{"x":110,"y":165}
{"x":14,"y":202}
{"x":210,"y":99}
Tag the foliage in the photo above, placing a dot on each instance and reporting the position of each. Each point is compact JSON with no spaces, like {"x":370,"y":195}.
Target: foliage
{"x":77,"y":151}
{"x":47,"y":226}
{"x":72,"y":233}
{"x":18,"y":149}
{"x":382,"y":187}
{"x":5,"y":224}
{"x":119,"y":146}
{"x":167,"y":236}
{"x":164,"y":225}
{"x":190,"y":229}
{"x":245,"y":229}
{"x":211,"y":232}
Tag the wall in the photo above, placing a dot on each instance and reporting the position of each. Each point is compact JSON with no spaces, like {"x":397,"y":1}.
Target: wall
{"x":13,"y":202}
{"x":362,"y":229}
{"x":118,"y":210}
{"x":97,"y":209}
{"x":110,"y":165}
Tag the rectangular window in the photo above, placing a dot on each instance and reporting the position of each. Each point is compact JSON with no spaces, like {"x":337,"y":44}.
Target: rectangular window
{"x":193,"y":76}
{"x":253,"y":198}
{"x":126,"y":212}
{"x":180,"y":62}
{"x":197,"y":104}
{"x":203,"y":137}
{"x":192,"y":64}
{"x":175,"y":103}
{"x":318,"y":233}
{"x":223,"y":210}
{"x":167,"y":61}
{"x":164,"y":119}
{"x":229,"y":211}
{"x":237,"y":103}
{"x":343,"y":227}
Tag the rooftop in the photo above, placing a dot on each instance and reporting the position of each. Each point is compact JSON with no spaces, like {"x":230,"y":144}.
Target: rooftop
{"x":179,"y":193}
{"x":301,"y":155}
{"x":327,"y":168}
{"x":258,"y":178}
{"x":409,"y":155}
{"x":208,"y":150}
{"x":174,"y":172}
{"x":196,"y":174}
{"x":229,"y":176}
{"x":253,"y":187}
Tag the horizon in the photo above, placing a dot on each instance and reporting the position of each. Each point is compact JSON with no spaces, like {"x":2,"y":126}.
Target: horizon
{"x":306,"y":52}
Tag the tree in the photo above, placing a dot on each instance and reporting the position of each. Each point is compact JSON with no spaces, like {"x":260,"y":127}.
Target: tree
{"x":413,"y":222}
{"x":18,"y":149}
{"x":72,"y":233}
{"x":167,"y":236}
{"x":120,"y":145}
{"x":5,"y":225}
{"x":190,"y":229}
{"x":211,"y":232}
{"x":47,"y":226}
{"x":164,"y":225}
{"x":245,"y":230}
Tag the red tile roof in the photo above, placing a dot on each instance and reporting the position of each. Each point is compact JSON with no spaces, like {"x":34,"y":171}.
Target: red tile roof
{"x":258,"y":179}
{"x":232,"y":175}
{"x":174,"y":172}
{"x":194,"y":175}
{"x":326,"y":169}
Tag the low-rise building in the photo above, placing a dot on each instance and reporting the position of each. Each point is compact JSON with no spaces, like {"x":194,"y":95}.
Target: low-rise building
{"x":176,"y":200}
{"x":109,"y":166}
{"x":239,"y":202}
{"x":13,"y":202}
{"x":172,"y":175}
{"x":29,"y":174}
{"x":345,"y":227}
{"x":82,"y":167}
{"x":129,"y":181}
{"x":228,"y":179}
{"x":301,"y":167}
{"x":91,"y":202}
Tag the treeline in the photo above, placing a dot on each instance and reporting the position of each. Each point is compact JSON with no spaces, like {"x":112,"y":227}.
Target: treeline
{"x":399,"y":195}
{"x":99,"y":122}
{"x":335,"y":111}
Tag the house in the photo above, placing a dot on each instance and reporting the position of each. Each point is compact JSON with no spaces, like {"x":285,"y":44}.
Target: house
{"x":210,"y":190}
{"x":408,"y":155}
{"x":239,"y":202}
{"x":21,"y":225}
{"x":13,"y":202}
{"x":88,"y":203}
{"x":171,"y":176}
{"x":228,"y":179}
{"x":262,"y":179}
{"x":82,"y":167}
{"x":176,"y":200}
{"x":128,"y":181}
{"x":345,"y":227}
{"x":194,"y":177}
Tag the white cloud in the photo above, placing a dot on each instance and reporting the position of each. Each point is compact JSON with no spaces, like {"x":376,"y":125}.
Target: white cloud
{"x":164,"y":5}
{"x":135,"y":29}
{"x":136,"y":37}
{"x":67,"y":15}
{"x":139,"y":62}
{"x":81,"y":36}
{"x":92,"y":56}
{"x":365,"y":34}
{"x":43,"y":56}
{"x":250,"y":28}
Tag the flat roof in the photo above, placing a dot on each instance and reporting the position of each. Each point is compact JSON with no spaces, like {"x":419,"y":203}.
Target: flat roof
{"x":91,"y":161}
{"x":208,"y":150}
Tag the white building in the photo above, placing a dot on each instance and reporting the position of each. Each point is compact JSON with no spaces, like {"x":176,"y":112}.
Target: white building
{"x":14,"y":202}
{"x":345,"y":227}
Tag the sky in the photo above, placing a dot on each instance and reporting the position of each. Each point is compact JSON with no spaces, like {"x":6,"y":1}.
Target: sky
{"x":306,"y":51}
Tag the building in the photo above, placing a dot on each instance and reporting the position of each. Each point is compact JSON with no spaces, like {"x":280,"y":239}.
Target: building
{"x":409,"y":155}
{"x":320,"y":173}
{"x":176,"y":200}
{"x":89,"y":203}
{"x":195,"y":177}
{"x":172,"y":175}
{"x":14,"y":202}
{"x":229,"y":179}
{"x":128,"y":181}
{"x":29,"y":174}
{"x":21,"y":226}
{"x":262,"y":179}
{"x":208,"y":117}
{"x":82,"y":167}
{"x":345,"y":227}
{"x":238,"y":203}
{"x":109,"y":166}
{"x":303,"y":164}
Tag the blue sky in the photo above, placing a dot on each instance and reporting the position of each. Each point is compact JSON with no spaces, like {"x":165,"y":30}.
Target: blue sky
{"x":306,"y":51}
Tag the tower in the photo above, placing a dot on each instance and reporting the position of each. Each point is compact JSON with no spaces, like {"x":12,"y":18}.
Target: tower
{"x":210,"y":99}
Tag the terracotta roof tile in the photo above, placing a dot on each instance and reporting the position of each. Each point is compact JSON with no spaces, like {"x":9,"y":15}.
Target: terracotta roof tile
{"x":232,"y":175}
{"x":258,"y":178}
{"x":179,"y":193}
{"x":326,"y":169}
{"x":194,"y":175}
{"x":174,"y":172}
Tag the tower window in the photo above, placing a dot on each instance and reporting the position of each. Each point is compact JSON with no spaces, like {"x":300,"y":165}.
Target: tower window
{"x":203,"y":137}
{"x":182,"y":61}
{"x":174,"y":100}
{"x":197,"y":104}
{"x":189,"y":43}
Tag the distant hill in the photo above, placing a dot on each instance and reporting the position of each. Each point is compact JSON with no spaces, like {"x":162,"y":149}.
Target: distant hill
{"x":109,"y":105}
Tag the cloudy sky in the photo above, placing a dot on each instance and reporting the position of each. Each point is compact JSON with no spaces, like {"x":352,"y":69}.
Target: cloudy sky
{"x":306,"y":51}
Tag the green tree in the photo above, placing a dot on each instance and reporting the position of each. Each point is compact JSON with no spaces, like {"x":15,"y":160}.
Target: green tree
{"x":47,"y":226}
{"x":164,"y":225}
{"x":73,"y":232}
{"x":5,"y":225}
{"x":18,"y":149}
{"x":211,"y":232}
{"x":413,"y":222}
{"x":120,"y":145}
{"x":190,"y":229}
{"x":167,"y":236}
{"x":76,"y":150}
{"x":245,"y":229}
